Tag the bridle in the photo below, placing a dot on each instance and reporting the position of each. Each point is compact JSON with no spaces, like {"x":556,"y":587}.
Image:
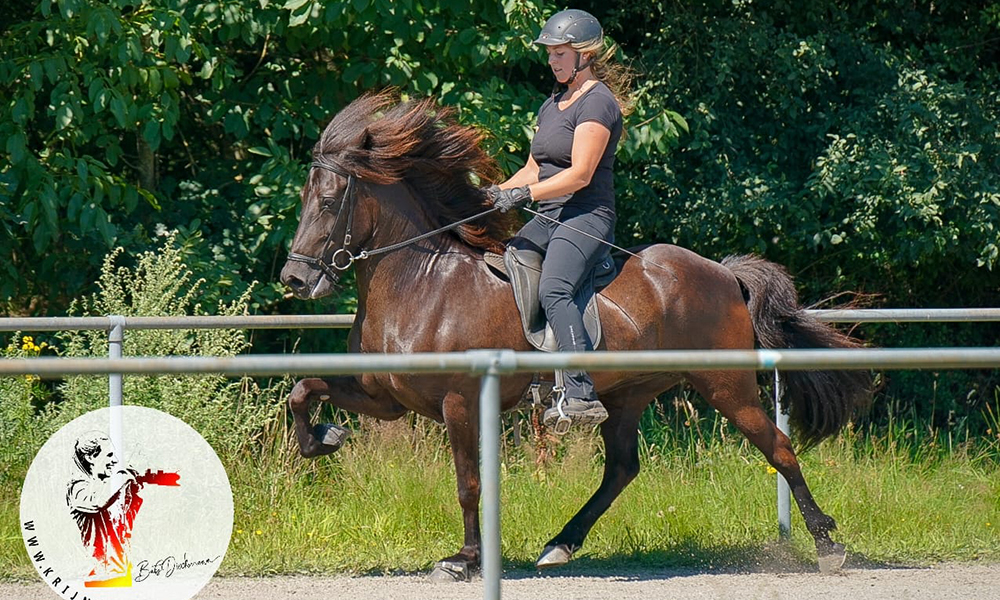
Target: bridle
{"x":347,"y":202}
{"x":331,"y":268}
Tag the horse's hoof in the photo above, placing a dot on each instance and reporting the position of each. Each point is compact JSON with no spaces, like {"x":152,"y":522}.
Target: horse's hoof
{"x":554,"y":556}
{"x":331,"y":437}
{"x":833,"y":559}
{"x":450,"y":571}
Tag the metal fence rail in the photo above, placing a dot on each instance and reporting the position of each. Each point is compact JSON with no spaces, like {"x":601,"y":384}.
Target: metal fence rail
{"x":478,"y":361}
{"x":193,"y":322}
{"x":881,"y":315}
{"x":490,"y":364}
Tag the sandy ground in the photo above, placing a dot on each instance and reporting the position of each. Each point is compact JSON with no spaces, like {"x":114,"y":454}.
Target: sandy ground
{"x":966,"y":581}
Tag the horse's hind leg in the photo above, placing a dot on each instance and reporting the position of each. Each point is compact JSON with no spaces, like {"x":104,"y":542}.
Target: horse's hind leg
{"x":621,"y":465}
{"x":734,"y":394}
{"x":343,"y":392}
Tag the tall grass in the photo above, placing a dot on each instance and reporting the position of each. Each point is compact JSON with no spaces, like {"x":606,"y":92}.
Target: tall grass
{"x":387,"y":502}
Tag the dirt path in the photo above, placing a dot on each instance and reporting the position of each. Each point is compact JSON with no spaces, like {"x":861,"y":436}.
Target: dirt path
{"x":975,"y":581}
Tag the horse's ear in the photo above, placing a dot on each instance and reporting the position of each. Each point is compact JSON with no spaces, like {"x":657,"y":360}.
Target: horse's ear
{"x":363,"y":140}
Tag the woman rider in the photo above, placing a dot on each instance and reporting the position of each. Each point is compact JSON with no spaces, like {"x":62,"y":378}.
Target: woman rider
{"x":570,"y":174}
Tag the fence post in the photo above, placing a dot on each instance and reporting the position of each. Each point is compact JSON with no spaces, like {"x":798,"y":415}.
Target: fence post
{"x":498,"y":361}
{"x":489,"y":430}
{"x":784,"y":493}
{"x":116,"y":335}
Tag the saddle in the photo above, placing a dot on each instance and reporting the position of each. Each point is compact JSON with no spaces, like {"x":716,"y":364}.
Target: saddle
{"x":523,"y":268}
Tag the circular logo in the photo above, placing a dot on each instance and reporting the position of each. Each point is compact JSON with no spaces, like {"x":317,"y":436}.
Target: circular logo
{"x":126,"y":502}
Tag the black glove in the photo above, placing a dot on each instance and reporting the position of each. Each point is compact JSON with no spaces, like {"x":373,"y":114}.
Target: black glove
{"x":505,"y":200}
{"x":490,"y":192}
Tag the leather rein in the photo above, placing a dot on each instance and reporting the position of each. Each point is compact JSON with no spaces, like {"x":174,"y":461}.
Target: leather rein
{"x":348,"y":201}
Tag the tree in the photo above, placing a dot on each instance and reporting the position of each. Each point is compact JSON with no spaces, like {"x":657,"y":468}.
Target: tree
{"x":855,"y":143}
{"x":127,"y":118}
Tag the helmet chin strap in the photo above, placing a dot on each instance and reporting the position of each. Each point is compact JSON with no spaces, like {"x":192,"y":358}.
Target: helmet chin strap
{"x":560,"y":86}
{"x":578,"y":67}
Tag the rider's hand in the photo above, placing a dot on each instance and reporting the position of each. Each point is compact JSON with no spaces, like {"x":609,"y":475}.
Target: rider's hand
{"x":490,"y":192}
{"x":505,"y":200}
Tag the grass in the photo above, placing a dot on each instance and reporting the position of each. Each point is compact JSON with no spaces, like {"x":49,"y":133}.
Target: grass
{"x":704,"y":499}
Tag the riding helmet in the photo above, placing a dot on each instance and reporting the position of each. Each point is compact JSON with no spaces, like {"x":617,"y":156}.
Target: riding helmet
{"x":570,"y":26}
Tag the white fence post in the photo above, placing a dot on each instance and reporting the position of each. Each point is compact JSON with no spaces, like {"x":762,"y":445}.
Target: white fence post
{"x":489,"y":473}
{"x":784,"y":493}
{"x":116,"y":335}
{"x":499,"y":361}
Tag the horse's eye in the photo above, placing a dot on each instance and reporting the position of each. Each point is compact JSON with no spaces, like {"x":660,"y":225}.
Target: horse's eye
{"x":326,"y":203}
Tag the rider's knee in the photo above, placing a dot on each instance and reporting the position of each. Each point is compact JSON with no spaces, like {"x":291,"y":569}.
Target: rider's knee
{"x":553,"y":290}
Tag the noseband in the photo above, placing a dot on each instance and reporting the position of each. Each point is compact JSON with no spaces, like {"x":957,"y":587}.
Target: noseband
{"x":347,"y":202}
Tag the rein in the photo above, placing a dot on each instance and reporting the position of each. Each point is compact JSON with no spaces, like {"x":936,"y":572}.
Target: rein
{"x":330,"y":269}
{"x":594,"y":237}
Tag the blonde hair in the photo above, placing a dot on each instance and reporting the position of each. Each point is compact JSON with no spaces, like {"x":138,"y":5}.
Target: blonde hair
{"x":617,"y":76}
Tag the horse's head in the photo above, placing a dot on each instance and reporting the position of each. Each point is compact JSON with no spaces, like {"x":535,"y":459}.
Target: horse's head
{"x":372,"y":144}
{"x":335,"y":221}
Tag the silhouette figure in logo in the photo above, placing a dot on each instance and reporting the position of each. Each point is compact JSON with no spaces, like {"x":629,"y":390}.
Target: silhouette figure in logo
{"x":103,"y":499}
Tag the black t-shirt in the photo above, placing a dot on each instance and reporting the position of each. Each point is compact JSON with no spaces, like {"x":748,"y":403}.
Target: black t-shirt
{"x":552,"y":146}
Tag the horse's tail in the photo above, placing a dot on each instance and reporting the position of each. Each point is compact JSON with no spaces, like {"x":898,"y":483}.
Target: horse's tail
{"x":820,"y":403}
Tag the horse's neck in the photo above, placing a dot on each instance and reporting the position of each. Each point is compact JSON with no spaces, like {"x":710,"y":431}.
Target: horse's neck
{"x":401,"y":218}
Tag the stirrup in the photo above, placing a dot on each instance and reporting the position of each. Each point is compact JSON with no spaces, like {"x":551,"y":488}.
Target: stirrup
{"x":563,"y":423}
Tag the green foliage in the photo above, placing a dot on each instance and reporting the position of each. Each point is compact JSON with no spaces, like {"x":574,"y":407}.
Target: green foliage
{"x":20,"y":397}
{"x":853,"y":142}
{"x":851,"y":157}
{"x":124,"y":116}
{"x":231,"y":415}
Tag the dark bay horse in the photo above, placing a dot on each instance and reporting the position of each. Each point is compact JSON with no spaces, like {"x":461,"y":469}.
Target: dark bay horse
{"x":386,"y":171}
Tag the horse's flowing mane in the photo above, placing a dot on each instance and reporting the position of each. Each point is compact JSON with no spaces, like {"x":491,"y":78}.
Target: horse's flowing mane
{"x":383,"y":140}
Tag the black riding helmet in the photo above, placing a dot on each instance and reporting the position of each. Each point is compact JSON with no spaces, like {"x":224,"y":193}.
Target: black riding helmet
{"x":571,"y":26}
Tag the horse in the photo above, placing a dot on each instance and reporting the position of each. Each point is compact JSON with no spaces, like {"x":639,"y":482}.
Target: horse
{"x":386,"y":172}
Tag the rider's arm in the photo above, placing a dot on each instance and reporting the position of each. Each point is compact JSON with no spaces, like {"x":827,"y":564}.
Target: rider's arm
{"x":526,"y":175}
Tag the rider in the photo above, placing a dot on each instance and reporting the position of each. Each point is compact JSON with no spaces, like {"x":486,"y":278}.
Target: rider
{"x":569,"y":172}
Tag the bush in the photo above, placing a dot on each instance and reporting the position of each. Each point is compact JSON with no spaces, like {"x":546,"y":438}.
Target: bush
{"x":230,"y":414}
{"x":22,"y":428}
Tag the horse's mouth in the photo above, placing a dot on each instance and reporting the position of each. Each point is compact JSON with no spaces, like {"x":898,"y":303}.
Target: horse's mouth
{"x":308,"y":285}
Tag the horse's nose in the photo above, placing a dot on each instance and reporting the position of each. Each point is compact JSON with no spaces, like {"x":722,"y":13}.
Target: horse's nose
{"x":297,"y":285}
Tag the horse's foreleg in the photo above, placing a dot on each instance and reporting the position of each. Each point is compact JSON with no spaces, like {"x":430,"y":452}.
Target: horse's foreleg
{"x":734,"y":394}
{"x":461,"y":418}
{"x":621,"y":443}
{"x":343,"y":392}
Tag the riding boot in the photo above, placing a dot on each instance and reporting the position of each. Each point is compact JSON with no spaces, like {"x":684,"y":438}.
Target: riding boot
{"x":573,"y":411}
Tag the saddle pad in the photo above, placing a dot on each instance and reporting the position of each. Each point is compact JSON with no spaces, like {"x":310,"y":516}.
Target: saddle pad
{"x":524,"y":269}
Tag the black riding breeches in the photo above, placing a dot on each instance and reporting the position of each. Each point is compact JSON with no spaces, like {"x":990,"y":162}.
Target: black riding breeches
{"x":569,"y":258}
